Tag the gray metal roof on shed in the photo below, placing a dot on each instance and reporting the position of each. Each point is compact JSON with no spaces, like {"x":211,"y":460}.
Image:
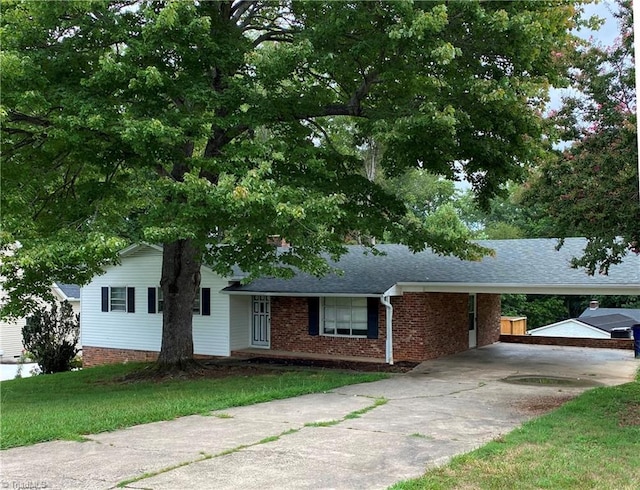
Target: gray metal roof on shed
{"x":525,"y":265}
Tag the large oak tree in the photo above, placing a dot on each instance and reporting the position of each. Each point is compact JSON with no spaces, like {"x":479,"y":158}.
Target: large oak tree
{"x":206,"y":127}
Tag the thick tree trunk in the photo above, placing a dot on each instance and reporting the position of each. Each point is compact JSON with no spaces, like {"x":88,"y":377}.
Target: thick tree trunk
{"x":180,"y":283}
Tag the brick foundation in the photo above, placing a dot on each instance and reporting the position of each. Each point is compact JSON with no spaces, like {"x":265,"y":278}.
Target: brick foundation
{"x":569,"y":342}
{"x":98,"y":356}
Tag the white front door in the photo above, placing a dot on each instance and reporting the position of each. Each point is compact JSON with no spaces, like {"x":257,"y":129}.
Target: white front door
{"x":473,"y":324}
{"x":260,"y":321}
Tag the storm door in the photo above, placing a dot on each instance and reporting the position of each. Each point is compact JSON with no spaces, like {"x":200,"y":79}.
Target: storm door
{"x":473,"y":324}
{"x":260,"y":321}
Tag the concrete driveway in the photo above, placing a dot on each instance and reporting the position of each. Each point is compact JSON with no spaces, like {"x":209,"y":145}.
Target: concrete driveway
{"x":361,"y":436}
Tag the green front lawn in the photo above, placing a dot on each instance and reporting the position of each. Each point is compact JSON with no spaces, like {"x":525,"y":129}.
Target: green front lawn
{"x":68,"y":405}
{"x":591,"y":442}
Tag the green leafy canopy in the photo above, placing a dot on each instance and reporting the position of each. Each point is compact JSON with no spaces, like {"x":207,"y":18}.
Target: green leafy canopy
{"x":127,"y":121}
{"x":591,"y":188}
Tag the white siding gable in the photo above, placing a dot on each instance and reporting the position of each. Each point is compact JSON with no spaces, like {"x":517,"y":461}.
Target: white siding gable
{"x":570,"y":328}
{"x":141,"y":269}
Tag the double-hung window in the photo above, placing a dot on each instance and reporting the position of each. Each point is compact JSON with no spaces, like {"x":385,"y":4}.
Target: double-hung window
{"x":344,"y":317}
{"x":118,"y":298}
{"x":201,"y":303}
{"x":196,"y":302}
{"x":155,"y":300}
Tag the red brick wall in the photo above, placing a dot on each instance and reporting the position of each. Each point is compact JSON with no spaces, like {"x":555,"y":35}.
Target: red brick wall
{"x":290,"y":332}
{"x":432,"y":325}
{"x":409,"y":327}
{"x":569,"y":342}
{"x":488,"y":319}
{"x":425,"y":326}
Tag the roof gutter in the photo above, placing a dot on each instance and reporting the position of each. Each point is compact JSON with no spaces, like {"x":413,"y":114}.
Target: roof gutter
{"x":385,"y":300}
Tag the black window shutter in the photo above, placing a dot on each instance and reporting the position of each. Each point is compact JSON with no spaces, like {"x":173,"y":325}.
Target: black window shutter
{"x":205,"y":307}
{"x":105,"y":299}
{"x":151,"y":300}
{"x":131,"y":300}
{"x":314,"y":316}
{"x":372,"y":318}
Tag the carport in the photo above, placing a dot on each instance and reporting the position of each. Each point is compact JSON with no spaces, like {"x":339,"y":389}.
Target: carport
{"x":526,"y":266}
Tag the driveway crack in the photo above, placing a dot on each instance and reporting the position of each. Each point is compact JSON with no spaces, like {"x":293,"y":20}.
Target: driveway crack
{"x":204,"y":456}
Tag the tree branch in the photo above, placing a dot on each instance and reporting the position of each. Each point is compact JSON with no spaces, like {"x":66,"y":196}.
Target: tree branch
{"x":20,"y":117}
{"x":274,"y":35}
{"x":240,"y":7}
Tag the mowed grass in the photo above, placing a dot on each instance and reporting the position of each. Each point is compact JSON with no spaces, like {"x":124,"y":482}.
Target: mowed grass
{"x":70,"y":405}
{"x":591,"y":442}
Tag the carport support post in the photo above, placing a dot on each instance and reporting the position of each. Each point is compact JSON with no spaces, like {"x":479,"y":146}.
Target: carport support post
{"x":385,"y":300}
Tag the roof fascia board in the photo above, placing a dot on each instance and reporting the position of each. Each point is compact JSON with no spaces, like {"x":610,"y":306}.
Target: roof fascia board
{"x":136,"y":246}
{"x":447,"y":287}
{"x":300,"y":295}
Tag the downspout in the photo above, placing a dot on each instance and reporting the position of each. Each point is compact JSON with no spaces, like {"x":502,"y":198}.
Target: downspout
{"x":385,"y":300}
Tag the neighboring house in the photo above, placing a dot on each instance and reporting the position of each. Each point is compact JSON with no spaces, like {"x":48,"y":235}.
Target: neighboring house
{"x":11,"y":332}
{"x":589,"y":327}
{"x":596,"y":311}
{"x":396,"y":306}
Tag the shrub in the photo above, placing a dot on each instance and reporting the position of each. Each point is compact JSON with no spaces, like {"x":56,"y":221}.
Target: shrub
{"x":51,"y":337}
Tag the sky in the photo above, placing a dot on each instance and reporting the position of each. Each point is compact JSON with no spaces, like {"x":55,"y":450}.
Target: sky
{"x":605,"y":36}
{"x":609,"y":31}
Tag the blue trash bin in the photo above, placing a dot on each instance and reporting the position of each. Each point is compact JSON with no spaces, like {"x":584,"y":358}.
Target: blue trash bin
{"x":636,"y":339}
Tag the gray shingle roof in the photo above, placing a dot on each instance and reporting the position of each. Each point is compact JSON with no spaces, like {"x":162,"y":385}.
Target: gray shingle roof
{"x":609,"y":322}
{"x":629,"y":312}
{"x":70,"y":290}
{"x":525,"y":262}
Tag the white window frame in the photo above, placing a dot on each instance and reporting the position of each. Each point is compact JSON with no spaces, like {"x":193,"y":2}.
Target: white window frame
{"x":159,"y":300}
{"x":334,"y":303}
{"x":124,"y":305}
{"x":197,"y":303}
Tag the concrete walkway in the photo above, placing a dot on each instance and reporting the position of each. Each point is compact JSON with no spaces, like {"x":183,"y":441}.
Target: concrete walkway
{"x":358,"y":437}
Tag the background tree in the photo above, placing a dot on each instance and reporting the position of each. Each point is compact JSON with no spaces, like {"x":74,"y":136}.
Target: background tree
{"x":540,"y":310}
{"x":591,"y":188}
{"x":201,"y":126}
{"x":51,"y":337}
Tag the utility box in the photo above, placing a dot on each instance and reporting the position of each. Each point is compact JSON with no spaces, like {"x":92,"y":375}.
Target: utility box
{"x":513,"y":325}
{"x":621,"y":333}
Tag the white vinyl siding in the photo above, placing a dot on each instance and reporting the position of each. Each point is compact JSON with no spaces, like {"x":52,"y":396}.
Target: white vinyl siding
{"x":240,"y":321}
{"x":140,"y":330}
{"x":11,"y":338}
{"x":344,"y":317}
{"x":570,"y":328}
